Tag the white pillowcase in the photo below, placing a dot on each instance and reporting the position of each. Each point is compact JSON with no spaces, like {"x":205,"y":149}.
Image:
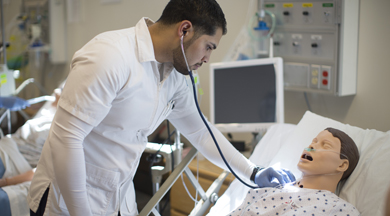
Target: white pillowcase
{"x":367,"y":186}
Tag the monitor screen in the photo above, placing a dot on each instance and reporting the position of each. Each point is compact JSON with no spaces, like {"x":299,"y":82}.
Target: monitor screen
{"x":246,"y":96}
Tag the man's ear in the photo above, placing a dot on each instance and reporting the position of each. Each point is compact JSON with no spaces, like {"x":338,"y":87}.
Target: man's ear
{"x":185,"y":27}
{"x":343,"y":165}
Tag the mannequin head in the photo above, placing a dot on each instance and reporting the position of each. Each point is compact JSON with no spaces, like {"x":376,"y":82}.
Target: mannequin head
{"x":348,"y":148}
{"x":331,"y":157}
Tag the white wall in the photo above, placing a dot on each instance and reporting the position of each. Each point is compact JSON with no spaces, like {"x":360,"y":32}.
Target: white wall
{"x":97,"y":17}
{"x":370,"y":108}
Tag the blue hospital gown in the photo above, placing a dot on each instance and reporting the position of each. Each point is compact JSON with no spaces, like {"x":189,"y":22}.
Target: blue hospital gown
{"x":293,"y":201}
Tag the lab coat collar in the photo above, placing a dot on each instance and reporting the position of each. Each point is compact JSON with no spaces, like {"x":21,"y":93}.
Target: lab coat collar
{"x":144,"y":40}
{"x":145,"y":47}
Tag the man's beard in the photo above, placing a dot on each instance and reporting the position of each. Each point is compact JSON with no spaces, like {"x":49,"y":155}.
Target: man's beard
{"x":179,"y":63}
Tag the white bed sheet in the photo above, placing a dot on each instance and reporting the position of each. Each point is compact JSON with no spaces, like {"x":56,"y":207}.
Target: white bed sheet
{"x":283,"y":144}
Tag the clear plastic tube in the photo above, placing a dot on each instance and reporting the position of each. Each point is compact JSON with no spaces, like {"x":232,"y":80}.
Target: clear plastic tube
{"x":324,"y":150}
{"x":41,"y":99}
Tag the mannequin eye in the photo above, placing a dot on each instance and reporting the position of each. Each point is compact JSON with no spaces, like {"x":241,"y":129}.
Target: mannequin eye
{"x":327,"y":145}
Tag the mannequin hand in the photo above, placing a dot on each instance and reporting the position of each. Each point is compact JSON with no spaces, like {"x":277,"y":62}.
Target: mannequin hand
{"x":13,"y":103}
{"x":3,"y":182}
{"x":271,"y":177}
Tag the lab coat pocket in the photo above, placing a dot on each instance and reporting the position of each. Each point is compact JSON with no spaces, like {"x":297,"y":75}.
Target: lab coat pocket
{"x":102,"y":185}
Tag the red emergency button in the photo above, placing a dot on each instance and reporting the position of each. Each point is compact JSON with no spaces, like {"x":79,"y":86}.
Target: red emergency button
{"x":325,"y":73}
{"x":325,"y":82}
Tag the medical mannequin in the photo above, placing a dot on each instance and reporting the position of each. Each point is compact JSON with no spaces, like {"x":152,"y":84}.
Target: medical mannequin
{"x":28,"y":175}
{"x":5,"y":204}
{"x":17,"y":179}
{"x":329,"y":159}
{"x":121,"y":86}
{"x":19,"y":155}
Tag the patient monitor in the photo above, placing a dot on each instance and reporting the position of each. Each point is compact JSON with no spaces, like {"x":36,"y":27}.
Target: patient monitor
{"x":246,"y":96}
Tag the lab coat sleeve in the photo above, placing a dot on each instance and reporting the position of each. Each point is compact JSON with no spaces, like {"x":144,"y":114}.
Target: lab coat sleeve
{"x":98,"y":72}
{"x":65,"y":140}
{"x":193,"y":128}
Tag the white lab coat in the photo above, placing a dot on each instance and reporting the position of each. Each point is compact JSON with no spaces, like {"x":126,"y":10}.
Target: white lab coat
{"x":112,"y":101}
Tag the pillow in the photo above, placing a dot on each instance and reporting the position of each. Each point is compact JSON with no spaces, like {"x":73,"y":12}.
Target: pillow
{"x":367,"y":186}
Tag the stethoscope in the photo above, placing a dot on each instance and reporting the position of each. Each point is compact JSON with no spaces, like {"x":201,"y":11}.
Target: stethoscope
{"x":204,"y":120}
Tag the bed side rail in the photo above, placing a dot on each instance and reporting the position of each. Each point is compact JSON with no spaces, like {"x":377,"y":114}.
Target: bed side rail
{"x":150,"y":206}
{"x":211,"y":195}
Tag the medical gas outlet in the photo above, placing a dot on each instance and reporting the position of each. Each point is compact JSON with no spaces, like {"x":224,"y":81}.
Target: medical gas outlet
{"x":318,"y":43}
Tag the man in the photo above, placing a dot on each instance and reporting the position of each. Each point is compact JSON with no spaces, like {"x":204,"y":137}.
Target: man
{"x":330,"y":159}
{"x":121,"y":86}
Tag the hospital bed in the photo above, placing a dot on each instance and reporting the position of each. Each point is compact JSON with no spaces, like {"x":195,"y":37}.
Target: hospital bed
{"x":20,"y":152}
{"x":282,"y":146}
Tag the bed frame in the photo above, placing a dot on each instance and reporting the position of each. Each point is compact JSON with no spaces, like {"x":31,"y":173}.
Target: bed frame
{"x":207,"y":198}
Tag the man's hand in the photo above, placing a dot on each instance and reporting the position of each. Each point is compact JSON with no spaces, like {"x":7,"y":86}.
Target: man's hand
{"x":271,"y":177}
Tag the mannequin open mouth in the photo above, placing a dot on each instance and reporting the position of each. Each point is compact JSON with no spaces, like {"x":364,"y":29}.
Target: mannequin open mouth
{"x":307,"y":157}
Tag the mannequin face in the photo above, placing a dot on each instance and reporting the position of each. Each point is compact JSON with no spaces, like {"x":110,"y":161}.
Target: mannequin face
{"x":326,"y":160}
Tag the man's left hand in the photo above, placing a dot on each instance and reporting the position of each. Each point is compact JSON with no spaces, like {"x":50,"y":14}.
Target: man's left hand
{"x":272,"y":177}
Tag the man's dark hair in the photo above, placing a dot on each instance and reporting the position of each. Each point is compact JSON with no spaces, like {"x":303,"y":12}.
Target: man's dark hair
{"x":206,"y":16}
{"x":348,"y":148}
